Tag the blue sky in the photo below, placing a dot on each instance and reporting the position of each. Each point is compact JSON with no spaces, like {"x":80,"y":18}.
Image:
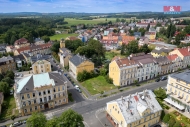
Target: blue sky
{"x":91,"y":6}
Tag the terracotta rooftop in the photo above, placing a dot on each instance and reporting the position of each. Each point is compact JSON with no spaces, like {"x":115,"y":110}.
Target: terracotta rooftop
{"x":172,"y":57}
{"x":21,"y":41}
{"x":125,"y":62}
{"x":185,"y":51}
{"x":73,"y":38}
{"x":127,"y":39}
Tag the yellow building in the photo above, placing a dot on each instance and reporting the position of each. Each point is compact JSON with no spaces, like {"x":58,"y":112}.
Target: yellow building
{"x":178,"y":88}
{"x":41,"y":66}
{"x":64,"y":56}
{"x":79,"y":63}
{"x":137,"y":110}
{"x":162,"y":52}
{"x":122,"y":71}
{"x":7,"y":64}
{"x":39,"y":92}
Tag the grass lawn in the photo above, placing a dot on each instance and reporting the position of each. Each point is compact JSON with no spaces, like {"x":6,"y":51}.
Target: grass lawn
{"x":59,"y":36}
{"x":97,"y":84}
{"x":111,"y":54}
{"x":8,"y":110}
{"x":72,"y":21}
{"x":181,"y":118}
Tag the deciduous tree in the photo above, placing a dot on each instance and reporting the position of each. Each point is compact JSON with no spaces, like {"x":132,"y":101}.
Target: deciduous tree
{"x":37,"y":119}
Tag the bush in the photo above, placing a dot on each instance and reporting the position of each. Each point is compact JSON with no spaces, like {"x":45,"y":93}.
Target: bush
{"x":82,"y":76}
{"x":177,"y":124}
{"x":166,"y":118}
{"x":171,"y":122}
{"x":162,"y":115}
{"x":108,"y":79}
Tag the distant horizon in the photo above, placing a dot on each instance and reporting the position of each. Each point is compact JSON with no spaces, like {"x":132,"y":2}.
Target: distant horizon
{"x":89,"y":6}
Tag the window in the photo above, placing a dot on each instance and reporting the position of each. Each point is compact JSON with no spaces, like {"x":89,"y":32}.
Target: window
{"x":59,"y":101}
{"x":62,"y":87}
{"x":33,"y":94}
{"x":40,"y":99}
{"x":54,"y":90}
{"x":49,"y":97}
{"x":22,"y":97}
{"x":36,"y":107}
{"x":55,"y":102}
{"x":25,"y":110}
{"x":34,"y":101}
{"x":30,"y":109}
{"x":44,"y":92}
{"x":39,"y":93}
{"x":118,"y":112}
{"x":41,"y":106}
{"x":28,"y":95}
{"x":64,"y":100}
{"x":113,"y":107}
{"x":29,"y":102}
{"x":48,"y":91}
{"x":24,"y":104}
{"x":58,"y":88}
{"x":54,"y":95}
{"x":59,"y":94}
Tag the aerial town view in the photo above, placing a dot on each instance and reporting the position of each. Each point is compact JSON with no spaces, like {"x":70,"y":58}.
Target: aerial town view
{"x":94,"y":63}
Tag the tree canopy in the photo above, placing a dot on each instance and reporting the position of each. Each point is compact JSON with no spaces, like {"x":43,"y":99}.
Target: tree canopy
{"x":73,"y":45}
{"x":55,"y":47}
{"x":37,"y":119}
{"x":4,"y":87}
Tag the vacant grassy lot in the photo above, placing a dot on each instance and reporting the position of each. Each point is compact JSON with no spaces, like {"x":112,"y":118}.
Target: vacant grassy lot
{"x":111,"y":54}
{"x":8,"y":110}
{"x":59,"y":36}
{"x":97,"y":84}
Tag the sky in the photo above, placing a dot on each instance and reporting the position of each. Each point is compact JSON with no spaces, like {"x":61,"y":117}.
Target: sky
{"x":89,"y":6}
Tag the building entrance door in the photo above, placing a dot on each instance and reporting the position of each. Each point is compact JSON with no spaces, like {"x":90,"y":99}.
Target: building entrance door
{"x":46,"y":105}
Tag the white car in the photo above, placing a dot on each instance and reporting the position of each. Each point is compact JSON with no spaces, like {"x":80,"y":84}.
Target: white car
{"x":77,"y":87}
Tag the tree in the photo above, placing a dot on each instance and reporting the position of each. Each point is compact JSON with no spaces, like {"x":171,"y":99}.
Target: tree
{"x":177,"y":124}
{"x":106,"y":20}
{"x":103,"y":71}
{"x":187,"y":29}
{"x":123,"y":20}
{"x":108,"y":79}
{"x":53,"y":122}
{"x":166,"y":118}
{"x":171,"y":122}
{"x":13,"y":117}
{"x":46,"y":38}
{"x":71,"y":118}
{"x":115,"y":31}
{"x":132,"y":47}
{"x":73,"y":45}
{"x":7,"y":80}
{"x":160,"y":93}
{"x":4,"y":87}
{"x":142,"y":30}
{"x":144,"y":49}
{"x":37,"y":119}
{"x":117,"y":20}
{"x":55,"y":47}
{"x":13,"y":39}
{"x":10,"y":74}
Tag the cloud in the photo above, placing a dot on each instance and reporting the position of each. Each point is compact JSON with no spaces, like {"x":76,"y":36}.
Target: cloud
{"x":88,"y":5}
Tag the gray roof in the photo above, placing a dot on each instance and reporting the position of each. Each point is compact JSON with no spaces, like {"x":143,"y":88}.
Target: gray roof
{"x":133,"y":105}
{"x":19,"y":57}
{"x":4,"y":59}
{"x":63,"y":49}
{"x":161,"y":50}
{"x":163,"y":59}
{"x":184,"y":76}
{"x":26,"y":84}
{"x":77,"y":59}
{"x":39,"y":57}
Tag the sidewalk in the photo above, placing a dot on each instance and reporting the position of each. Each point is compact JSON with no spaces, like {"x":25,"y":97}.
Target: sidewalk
{"x":61,"y":107}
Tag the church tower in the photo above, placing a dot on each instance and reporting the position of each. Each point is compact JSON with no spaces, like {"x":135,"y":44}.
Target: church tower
{"x":62,"y":43}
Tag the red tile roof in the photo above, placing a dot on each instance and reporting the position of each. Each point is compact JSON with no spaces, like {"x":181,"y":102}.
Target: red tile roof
{"x":34,"y":47}
{"x":125,"y":62}
{"x":185,"y":51}
{"x":21,"y":41}
{"x":172,"y":57}
{"x":127,"y":39}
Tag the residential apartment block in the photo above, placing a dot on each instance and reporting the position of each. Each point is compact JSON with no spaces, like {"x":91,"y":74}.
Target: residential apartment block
{"x":136,"y":110}
{"x":34,"y":49}
{"x":41,"y":66}
{"x":64,"y":56}
{"x":7,"y":64}
{"x":79,"y":63}
{"x":138,"y":67}
{"x":178,"y":88}
{"x":39,"y":92}
{"x":22,"y":42}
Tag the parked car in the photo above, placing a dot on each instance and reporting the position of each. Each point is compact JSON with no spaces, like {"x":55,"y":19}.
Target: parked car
{"x":77,"y":87}
{"x":157,"y":80}
{"x":79,"y":90}
{"x":24,"y":122}
{"x":17,"y":124}
{"x":163,"y":78}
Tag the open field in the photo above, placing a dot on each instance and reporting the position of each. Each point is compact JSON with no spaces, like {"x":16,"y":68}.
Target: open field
{"x":111,"y":54}
{"x":97,"y":84}
{"x":59,"y":36}
{"x":72,"y":21}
